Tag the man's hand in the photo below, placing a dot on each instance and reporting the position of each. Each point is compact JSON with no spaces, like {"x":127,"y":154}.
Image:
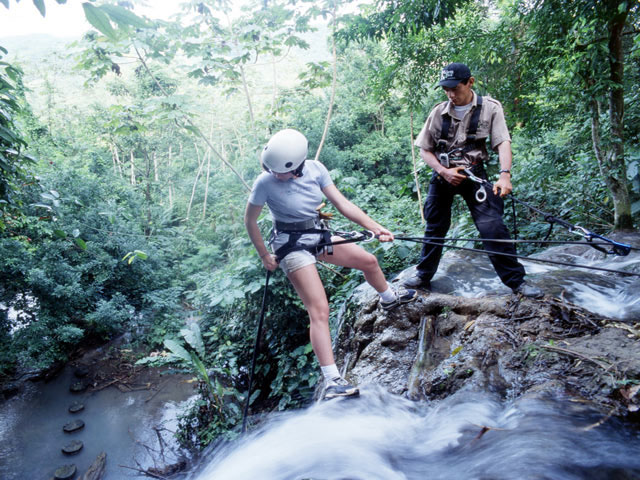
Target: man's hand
{"x":453,"y":175}
{"x":503,"y":186}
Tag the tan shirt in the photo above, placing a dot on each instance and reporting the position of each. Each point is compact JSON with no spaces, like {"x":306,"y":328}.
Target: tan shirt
{"x":491,"y":124}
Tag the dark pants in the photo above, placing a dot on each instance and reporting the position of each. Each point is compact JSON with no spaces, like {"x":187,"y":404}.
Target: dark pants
{"x":487,"y":217}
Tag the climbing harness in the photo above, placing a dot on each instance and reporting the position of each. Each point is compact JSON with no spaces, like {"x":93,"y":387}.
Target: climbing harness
{"x":445,"y":157}
{"x":297,"y":229}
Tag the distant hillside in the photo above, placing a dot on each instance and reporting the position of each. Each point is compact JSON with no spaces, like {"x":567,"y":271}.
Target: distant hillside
{"x":33,"y":47}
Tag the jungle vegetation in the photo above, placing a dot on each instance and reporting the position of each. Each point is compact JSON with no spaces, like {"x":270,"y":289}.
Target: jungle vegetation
{"x":126,"y":158}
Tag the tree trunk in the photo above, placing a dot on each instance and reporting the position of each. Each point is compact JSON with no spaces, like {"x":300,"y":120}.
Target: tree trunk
{"x":333,"y":82}
{"x":97,"y":468}
{"x":195,"y":180}
{"x":133,"y":172}
{"x":415,"y":169}
{"x":616,"y":178}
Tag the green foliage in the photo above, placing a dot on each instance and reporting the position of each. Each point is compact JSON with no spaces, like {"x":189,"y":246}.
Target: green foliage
{"x":134,"y":223}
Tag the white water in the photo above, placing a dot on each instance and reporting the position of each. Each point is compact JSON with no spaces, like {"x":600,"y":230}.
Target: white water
{"x":608,"y":294}
{"x":384,"y":437}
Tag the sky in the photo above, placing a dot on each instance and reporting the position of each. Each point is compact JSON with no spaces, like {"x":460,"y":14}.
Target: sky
{"x":66,"y":20}
{"x":23,"y":18}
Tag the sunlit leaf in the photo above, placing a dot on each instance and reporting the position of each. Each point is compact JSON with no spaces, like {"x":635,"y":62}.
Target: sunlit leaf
{"x":81,"y":243}
{"x":123,"y":17}
{"x":99,"y":20}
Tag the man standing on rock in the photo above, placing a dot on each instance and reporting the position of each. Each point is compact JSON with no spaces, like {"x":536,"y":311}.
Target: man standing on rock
{"x":453,"y":140}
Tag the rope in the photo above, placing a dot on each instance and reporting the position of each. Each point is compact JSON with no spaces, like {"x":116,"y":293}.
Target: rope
{"x":554,"y":262}
{"x":506,"y":240}
{"x":255,"y":351}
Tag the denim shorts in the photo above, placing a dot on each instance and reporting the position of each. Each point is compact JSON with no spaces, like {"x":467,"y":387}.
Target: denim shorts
{"x":299,"y":258}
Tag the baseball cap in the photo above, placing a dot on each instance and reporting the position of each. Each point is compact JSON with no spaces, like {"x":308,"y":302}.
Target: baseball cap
{"x":453,"y":74}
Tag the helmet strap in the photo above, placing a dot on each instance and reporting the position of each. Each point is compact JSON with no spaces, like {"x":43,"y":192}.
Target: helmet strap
{"x":298,"y":171}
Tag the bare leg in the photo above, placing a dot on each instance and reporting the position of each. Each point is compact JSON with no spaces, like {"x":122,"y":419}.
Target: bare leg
{"x":352,"y":256}
{"x":307,"y":283}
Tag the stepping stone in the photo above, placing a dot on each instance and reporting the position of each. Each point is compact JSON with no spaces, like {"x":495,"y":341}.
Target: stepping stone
{"x":73,"y":447}
{"x":65,"y":472}
{"x":78,"y":387}
{"x":81,"y":372}
{"x":76,"y":407}
{"x":73,"y":426}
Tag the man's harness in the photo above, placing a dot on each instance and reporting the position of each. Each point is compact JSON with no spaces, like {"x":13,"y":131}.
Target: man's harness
{"x":449,"y":157}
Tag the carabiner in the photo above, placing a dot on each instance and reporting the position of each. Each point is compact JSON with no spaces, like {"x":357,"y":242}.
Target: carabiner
{"x":371,"y":235}
{"x":481,"y":194}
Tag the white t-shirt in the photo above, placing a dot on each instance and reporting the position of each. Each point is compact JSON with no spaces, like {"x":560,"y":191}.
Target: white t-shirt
{"x":293,"y":200}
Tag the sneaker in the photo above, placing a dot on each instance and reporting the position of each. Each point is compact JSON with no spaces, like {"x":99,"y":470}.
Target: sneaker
{"x":416,"y":281}
{"x":339,"y":387}
{"x":528,"y":290}
{"x":402,"y":296}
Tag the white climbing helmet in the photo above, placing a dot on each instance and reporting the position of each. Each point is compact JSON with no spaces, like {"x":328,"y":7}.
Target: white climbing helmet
{"x":285,"y":151}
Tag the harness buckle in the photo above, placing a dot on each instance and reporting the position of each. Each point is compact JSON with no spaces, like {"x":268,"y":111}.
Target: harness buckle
{"x":443,"y":158}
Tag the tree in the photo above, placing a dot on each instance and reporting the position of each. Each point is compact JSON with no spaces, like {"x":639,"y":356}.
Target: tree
{"x":583,"y":45}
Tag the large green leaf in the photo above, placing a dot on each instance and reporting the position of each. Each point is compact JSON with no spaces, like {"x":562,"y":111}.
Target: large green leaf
{"x":193,"y":336}
{"x":177,"y":349}
{"x":123,"y":17}
{"x":99,"y":20}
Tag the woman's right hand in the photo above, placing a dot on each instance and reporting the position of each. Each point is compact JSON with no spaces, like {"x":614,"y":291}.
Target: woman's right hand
{"x":269,"y":262}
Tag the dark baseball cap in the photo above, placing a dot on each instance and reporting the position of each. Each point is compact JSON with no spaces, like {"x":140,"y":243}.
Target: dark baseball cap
{"x":453,"y":74}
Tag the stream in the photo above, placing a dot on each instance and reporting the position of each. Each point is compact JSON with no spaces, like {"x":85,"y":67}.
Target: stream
{"x":467,"y":436}
{"x":118,"y":423}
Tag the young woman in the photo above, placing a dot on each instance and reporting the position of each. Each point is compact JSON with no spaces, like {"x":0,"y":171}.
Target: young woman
{"x":293,"y":187}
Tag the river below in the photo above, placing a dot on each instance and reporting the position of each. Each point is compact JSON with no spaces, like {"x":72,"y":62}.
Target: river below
{"x":468,"y":436}
{"x":116,"y":422}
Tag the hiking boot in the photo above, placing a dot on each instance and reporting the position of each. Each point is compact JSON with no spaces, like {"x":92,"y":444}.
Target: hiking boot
{"x":416,"y":281}
{"x":528,"y":290}
{"x":339,"y":387}
{"x":402,"y":296}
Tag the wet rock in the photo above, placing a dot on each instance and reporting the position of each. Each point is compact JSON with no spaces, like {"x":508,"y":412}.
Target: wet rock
{"x":65,"y":472}
{"x":73,"y":426}
{"x":73,"y":447}
{"x":504,"y":344}
{"x":78,"y":387}
{"x":8,"y":390}
{"x":97,"y":468}
{"x":76,"y":407}
{"x":81,"y":371}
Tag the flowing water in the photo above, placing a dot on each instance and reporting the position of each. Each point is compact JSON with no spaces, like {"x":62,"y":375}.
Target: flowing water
{"x":468,"y":436}
{"x":375,"y":437}
{"x":612,"y":295}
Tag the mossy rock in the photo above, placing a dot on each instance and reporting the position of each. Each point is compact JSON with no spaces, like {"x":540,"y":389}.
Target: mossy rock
{"x":76,"y":407}
{"x":65,"y":472}
{"x":73,"y":426}
{"x":73,"y":447}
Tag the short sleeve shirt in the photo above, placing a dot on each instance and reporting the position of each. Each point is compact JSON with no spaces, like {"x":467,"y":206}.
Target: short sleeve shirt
{"x":491,"y":124}
{"x":293,"y":200}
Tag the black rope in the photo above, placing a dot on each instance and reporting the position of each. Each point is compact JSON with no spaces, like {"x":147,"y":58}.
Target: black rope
{"x":554,"y":262}
{"x":255,"y":351}
{"x":511,"y":240}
